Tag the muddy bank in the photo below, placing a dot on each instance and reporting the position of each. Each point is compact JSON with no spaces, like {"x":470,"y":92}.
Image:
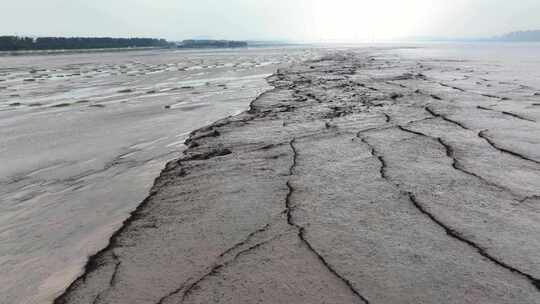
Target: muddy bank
{"x":360,"y":178}
{"x":82,"y":144}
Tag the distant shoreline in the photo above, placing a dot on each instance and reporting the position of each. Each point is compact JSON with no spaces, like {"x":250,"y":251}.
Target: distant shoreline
{"x":75,"y":51}
{"x":131,"y":49}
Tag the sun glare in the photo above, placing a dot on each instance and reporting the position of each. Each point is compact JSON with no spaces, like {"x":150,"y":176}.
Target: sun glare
{"x":369,"y":20}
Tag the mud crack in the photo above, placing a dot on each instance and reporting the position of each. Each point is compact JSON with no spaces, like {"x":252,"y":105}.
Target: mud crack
{"x":482,"y":134}
{"x":444,"y":117}
{"x":302,"y":231}
{"x":190,"y":285}
{"x":514,"y":115}
{"x":449,"y":231}
{"x":450,"y":153}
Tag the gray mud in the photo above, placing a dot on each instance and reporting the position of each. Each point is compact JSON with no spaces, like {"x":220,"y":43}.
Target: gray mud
{"x":357,"y":179}
{"x":78,"y":154}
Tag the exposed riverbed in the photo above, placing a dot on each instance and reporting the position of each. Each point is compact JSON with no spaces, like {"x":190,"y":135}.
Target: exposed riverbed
{"x":83,"y":136}
{"x":383,"y":175}
{"x":368,"y":176}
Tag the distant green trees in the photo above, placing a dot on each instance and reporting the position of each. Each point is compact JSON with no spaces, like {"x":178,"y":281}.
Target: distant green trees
{"x":197,"y":44}
{"x":15,"y":43}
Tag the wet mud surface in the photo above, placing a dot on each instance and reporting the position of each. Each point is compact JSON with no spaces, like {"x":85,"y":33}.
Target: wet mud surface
{"x":359,"y":178}
{"x":81,"y":144}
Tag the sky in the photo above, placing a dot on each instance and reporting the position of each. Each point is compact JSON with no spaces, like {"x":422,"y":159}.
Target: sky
{"x":295,"y":20}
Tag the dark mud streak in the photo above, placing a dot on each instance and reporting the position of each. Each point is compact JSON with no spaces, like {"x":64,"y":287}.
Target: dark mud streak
{"x":452,"y":87}
{"x":387,"y":118}
{"x":302,"y":230}
{"x":482,"y":134}
{"x":114,"y":276}
{"x":373,"y":152}
{"x":246,"y":240}
{"x":528,"y":198}
{"x":449,"y":231}
{"x":514,"y":115}
{"x":492,"y":96}
{"x":517,"y":116}
{"x":444,"y":117}
{"x":484,"y":108}
{"x":405,"y":129}
{"x":288,"y":206}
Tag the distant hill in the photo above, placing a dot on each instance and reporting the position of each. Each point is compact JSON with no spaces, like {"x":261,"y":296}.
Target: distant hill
{"x":520,"y":36}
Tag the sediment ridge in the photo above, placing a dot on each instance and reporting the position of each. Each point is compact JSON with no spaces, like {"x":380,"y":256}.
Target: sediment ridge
{"x":359,"y":178}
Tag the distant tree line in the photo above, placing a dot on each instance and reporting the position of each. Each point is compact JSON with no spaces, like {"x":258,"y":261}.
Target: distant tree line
{"x":15,"y":43}
{"x":212,"y":44}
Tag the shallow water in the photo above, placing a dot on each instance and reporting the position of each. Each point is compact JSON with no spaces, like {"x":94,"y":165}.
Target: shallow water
{"x":511,"y":62}
{"x":82,"y":138}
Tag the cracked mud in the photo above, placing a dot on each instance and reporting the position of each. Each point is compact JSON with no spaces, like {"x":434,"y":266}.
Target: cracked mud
{"x":356,"y":179}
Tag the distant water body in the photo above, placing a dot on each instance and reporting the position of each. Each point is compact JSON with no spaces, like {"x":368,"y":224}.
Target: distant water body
{"x":517,"y":60}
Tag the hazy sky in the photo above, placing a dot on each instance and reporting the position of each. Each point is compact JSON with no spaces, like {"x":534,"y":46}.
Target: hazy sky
{"x":306,"y":20}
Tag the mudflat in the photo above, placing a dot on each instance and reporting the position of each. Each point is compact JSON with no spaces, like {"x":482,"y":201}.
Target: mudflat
{"x":361,"y":177}
{"x":82,"y":142}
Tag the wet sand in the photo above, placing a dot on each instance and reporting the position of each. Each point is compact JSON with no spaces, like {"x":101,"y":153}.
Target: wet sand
{"x":362,"y":177}
{"x":82,"y":138}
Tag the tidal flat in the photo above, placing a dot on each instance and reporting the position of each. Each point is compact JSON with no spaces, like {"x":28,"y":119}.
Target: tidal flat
{"x":365,"y":176}
{"x":357,"y":174}
{"x":83,"y":136}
